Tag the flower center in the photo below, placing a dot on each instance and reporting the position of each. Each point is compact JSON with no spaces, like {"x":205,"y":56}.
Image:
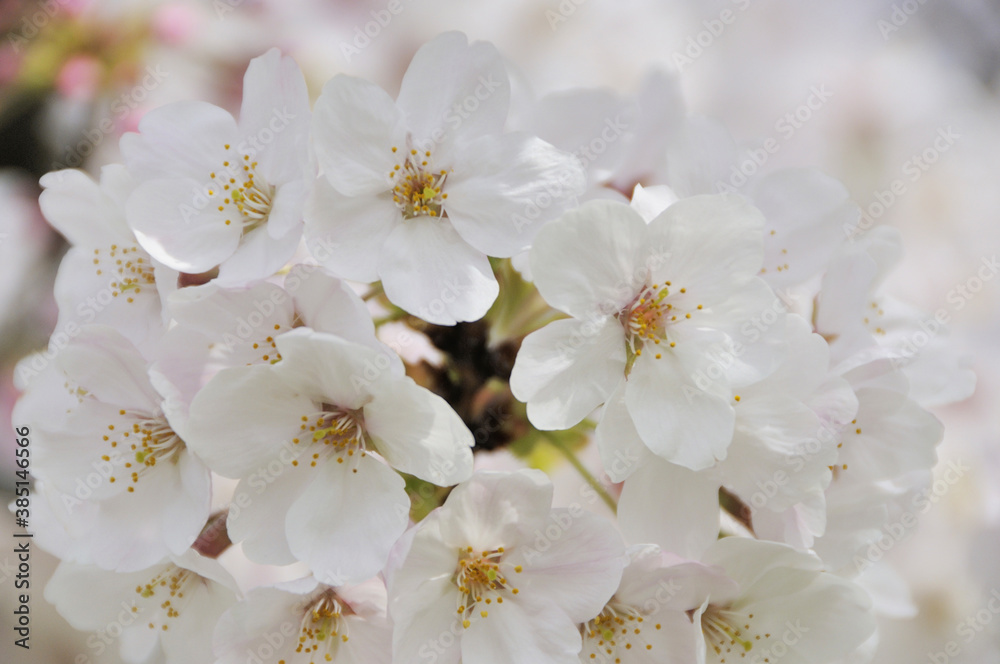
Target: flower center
{"x":418,"y":189}
{"x":246,"y":198}
{"x":129,"y":273}
{"x":480,"y":581}
{"x":619,"y":626}
{"x":647,"y":318}
{"x":727,"y":631}
{"x":323,"y":625}
{"x":334,"y":432}
{"x":148,"y":437}
{"x":171,"y":584}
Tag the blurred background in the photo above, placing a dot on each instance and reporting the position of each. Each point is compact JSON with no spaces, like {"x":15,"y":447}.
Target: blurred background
{"x":894,"y":77}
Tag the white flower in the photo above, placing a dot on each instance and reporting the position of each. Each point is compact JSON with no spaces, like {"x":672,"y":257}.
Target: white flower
{"x":785,"y":443}
{"x":640,"y":623}
{"x":496,"y":575}
{"x":865,"y":323}
{"x":419,"y":191}
{"x":166,"y":610}
{"x":300,"y":435}
{"x":129,"y":491}
{"x":661,"y":315}
{"x":306,"y":622}
{"x":105,"y":278}
{"x":783,"y":606}
{"x":217,"y":328}
{"x":214,"y":192}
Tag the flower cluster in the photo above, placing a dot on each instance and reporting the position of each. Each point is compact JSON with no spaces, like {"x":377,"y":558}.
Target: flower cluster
{"x":344,"y":339}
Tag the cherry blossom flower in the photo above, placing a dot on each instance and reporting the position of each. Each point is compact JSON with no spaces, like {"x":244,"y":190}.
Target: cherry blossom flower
{"x":419,"y":191}
{"x":214,"y":192}
{"x":495,"y":562}
{"x":166,"y":610}
{"x":129,"y":490}
{"x":317,"y":437}
{"x":106,"y":277}
{"x":659,"y":314}
{"x":307,"y":622}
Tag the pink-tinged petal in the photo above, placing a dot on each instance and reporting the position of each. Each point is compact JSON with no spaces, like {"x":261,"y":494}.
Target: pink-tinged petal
{"x":575,"y":561}
{"x":243,"y":418}
{"x":453,"y":91}
{"x":429,"y":270}
{"x":684,"y":421}
{"x":502,"y":190}
{"x":691,"y":497}
{"x":346,"y":233}
{"x":86,"y":297}
{"x":76,"y":206}
{"x":180,"y":227}
{"x":567,"y":369}
{"x":185,"y":139}
{"x":496,"y":509}
{"x":110,"y":368}
{"x":327,"y":304}
{"x":590,"y":260}
{"x":417,"y":432}
{"x":419,"y":618}
{"x":262,"y":501}
{"x":275,"y":112}
{"x":345,"y":522}
{"x":187,"y":511}
{"x":355,"y":126}
{"x":543,"y":634}
{"x":259,"y":255}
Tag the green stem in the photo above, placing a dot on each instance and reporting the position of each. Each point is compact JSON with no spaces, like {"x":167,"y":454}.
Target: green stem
{"x":396,"y":314}
{"x":594,"y":483}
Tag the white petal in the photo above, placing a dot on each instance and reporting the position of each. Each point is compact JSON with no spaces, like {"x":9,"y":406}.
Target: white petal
{"x":429,"y":270}
{"x":567,"y":369}
{"x":346,"y":233}
{"x":621,"y":447}
{"x":677,"y":419}
{"x":590,"y":260}
{"x":544,"y":634}
{"x":496,"y":509}
{"x":502,"y":190}
{"x":707,"y":244}
{"x":417,"y":432}
{"x":345,"y":522}
{"x":658,"y":489}
{"x":185,"y":139}
{"x":179,"y":226}
{"x":243,"y":418}
{"x":453,"y":90}
{"x":355,"y":126}
{"x":575,"y":562}
{"x":276,"y":105}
